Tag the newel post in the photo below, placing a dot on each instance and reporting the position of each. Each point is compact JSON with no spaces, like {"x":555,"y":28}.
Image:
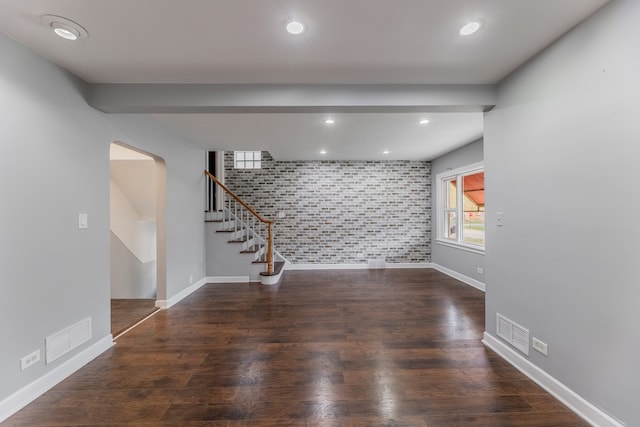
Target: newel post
{"x":269,"y":248}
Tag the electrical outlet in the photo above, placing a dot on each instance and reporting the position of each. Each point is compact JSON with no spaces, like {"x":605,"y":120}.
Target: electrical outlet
{"x":480,"y":270}
{"x":540,"y":346}
{"x":30,"y":360}
{"x":190,"y":279}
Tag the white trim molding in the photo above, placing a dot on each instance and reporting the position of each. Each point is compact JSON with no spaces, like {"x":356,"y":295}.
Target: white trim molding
{"x":461,"y":246}
{"x":461,"y":277}
{"x":393,"y":265}
{"x":564,"y":394}
{"x":32,"y":391}
{"x":164,"y":304}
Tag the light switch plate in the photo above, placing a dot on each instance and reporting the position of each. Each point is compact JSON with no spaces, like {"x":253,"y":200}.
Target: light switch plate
{"x":83,"y":220}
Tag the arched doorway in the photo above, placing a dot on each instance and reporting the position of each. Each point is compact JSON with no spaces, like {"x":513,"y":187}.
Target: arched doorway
{"x":137,"y":234}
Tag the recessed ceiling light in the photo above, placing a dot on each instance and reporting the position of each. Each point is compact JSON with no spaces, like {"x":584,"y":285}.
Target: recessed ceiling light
{"x":65,"y":28}
{"x":329,"y":121}
{"x":469,"y":28}
{"x":386,"y":152}
{"x":295,"y":27}
{"x":323,"y":151}
{"x":424,"y":121}
{"x":64,"y":32}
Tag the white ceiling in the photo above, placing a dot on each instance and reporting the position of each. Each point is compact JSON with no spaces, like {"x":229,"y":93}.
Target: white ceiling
{"x":354,"y":136}
{"x":346,"y":42}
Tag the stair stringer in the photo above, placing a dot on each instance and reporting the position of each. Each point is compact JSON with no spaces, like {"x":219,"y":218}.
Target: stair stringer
{"x":223,"y":259}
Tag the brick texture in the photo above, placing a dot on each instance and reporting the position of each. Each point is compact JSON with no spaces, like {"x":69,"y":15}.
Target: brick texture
{"x":335,"y":210}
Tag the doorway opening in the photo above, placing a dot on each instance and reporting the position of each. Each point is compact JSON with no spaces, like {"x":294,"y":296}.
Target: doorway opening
{"x":137,"y":235}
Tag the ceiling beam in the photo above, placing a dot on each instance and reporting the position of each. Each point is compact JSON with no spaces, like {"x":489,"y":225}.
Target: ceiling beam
{"x":258,"y":98}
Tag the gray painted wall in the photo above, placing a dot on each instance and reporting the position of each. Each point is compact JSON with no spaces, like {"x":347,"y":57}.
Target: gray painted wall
{"x":458,"y":260}
{"x":338,"y":209}
{"x":54,"y":165}
{"x":130,"y":278}
{"x":561,"y":157}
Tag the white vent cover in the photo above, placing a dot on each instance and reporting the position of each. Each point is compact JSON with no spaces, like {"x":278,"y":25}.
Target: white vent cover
{"x":64,"y":341}
{"x":513,"y":333}
{"x":375,"y":264}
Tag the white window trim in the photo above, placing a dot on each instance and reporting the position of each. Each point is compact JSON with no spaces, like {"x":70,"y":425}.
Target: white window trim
{"x":440,"y":200}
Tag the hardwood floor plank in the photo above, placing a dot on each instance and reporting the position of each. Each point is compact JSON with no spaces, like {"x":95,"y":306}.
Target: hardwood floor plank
{"x":127,"y":312}
{"x":83,"y":415}
{"x":506,"y":420}
{"x":388,"y":422}
{"x":325,"y":348}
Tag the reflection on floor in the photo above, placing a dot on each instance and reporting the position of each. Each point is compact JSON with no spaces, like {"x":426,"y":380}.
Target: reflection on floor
{"x":127,"y":312}
{"x":343,"y":348}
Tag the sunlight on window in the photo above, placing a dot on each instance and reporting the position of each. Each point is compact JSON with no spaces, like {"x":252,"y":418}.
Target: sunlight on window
{"x":461,"y":193}
{"x":473,"y":202}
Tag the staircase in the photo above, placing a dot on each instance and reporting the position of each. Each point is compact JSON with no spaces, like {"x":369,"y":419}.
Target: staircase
{"x":240,"y":242}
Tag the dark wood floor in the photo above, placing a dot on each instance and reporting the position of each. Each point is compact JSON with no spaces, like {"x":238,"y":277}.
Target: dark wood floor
{"x":334,"y":348}
{"x":127,"y":312}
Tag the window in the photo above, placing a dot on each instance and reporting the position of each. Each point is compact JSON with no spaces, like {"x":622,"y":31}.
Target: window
{"x":460,"y":195}
{"x":247,"y":159}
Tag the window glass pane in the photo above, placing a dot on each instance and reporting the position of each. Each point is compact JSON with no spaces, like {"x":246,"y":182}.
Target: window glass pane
{"x":247,"y":159}
{"x":473,"y":228}
{"x":451,"y":194}
{"x":450,"y":225}
{"x":473,"y":190}
{"x":473,"y":218}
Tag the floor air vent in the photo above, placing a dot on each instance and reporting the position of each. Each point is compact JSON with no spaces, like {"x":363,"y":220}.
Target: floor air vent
{"x":513,"y":333}
{"x":375,"y":264}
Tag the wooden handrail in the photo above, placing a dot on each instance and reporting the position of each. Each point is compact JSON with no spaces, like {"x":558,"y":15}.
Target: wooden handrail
{"x":238,"y":199}
{"x":269,"y":222}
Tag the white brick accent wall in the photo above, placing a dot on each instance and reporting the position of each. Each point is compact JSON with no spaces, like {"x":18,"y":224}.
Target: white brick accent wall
{"x":335,"y":210}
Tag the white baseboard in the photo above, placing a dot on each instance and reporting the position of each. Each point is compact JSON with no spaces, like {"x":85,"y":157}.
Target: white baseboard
{"x":229,"y":279}
{"x":329,"y":266}
{"x":461,"y":277}
{"x":360,"y":266}
{"x":564,"y":394}
{"x":409,"y":265}
{"x":162,"y":303}
{"x":32,"y":391}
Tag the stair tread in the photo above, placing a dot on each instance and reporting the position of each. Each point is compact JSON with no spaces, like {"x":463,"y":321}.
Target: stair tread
{"x":227,"y":231}
{"x":213,"y":220}
{"x":262,"y":260}
{"x":240,"y":240}
{"x":251,"y":250}
{"x":277,"y":267}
